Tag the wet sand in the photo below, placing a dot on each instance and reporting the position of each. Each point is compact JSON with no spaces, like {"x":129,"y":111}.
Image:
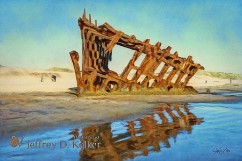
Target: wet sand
{"x":122,"y":122}
{"x":22,"y":111}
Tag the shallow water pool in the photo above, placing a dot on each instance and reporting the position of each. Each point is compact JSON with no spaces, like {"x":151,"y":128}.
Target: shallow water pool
{"x":193,"y":131}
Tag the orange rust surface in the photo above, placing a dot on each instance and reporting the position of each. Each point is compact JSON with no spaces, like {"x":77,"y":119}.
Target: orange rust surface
{"x":97,"y":45}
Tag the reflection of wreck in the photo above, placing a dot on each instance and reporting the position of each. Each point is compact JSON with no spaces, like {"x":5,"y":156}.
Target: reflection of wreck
{"x":97,"y":45}
{"x":139,"y":137}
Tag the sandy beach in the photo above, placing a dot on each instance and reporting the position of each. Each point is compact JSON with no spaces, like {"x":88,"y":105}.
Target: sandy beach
{"x":26,"y":102}
{"x":21,"y":80}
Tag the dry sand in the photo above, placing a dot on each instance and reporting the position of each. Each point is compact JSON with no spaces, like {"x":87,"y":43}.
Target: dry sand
{"x":28,"y":80}
{"x":26,"y":102}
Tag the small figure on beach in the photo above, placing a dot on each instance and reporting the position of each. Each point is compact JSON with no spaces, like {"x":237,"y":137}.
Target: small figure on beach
{"x":42,"y":78}
{"x":53,"y":78}
{"x":230,"y":80}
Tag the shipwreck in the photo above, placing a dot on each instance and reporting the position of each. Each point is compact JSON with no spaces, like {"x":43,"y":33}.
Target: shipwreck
{"x":97,"y":45}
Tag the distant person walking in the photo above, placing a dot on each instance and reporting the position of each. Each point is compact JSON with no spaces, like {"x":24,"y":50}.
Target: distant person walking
{"x":42,"y":78}
{"x":53,"y":78}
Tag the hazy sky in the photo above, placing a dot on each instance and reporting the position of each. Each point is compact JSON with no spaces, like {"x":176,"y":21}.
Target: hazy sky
{"x":40,"y":33}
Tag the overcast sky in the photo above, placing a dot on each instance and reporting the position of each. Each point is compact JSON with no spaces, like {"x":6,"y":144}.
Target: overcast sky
{"x":40,"y":33}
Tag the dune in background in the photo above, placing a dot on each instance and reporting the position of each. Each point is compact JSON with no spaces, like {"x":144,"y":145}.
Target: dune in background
{"x":13,"y":79}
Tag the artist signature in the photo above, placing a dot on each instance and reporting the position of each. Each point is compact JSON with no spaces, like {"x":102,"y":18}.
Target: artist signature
{"x":221,"y":150}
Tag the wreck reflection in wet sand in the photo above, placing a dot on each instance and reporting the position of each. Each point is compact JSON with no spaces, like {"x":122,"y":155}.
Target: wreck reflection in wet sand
{"x":160,"y":135}
{"x":123,"y":140}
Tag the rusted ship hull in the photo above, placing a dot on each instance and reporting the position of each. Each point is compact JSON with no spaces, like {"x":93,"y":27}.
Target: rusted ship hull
{"x":97,"y":45}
